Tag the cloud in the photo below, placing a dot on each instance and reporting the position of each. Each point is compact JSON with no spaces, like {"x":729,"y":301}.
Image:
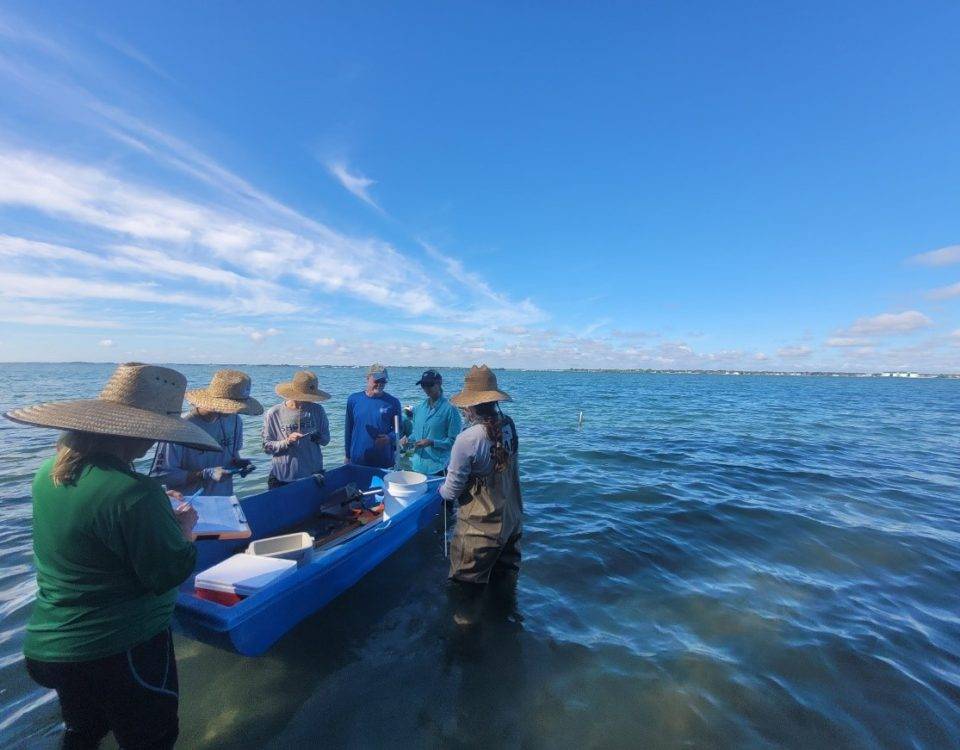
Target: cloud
{"x":794,"y":352}
{"x":129,"y":51}
{"x":32,"y":286}
{"x":945,"y":256}
{"x":945,"y":292}
{"x":354,"y":183}
{"x":258,"y":336}
{"x":889,"y":324}
{"x":325,"y":342}
{"x":106,"y":343}
{"x":840,"y":341}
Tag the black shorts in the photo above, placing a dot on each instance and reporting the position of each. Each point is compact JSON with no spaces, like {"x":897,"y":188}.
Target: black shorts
{"x":134,"y":694}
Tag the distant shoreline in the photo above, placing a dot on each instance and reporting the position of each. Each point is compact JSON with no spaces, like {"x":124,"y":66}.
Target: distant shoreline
{"x":889,"y":375}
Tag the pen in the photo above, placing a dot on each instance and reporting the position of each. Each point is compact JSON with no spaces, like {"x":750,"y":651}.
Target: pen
{"x":194,"y":496}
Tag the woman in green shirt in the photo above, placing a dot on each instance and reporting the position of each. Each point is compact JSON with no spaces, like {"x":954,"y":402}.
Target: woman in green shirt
{"x":110,"y":551}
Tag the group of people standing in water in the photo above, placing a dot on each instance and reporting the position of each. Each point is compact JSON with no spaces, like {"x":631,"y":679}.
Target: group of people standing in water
{"x":111,"y":549}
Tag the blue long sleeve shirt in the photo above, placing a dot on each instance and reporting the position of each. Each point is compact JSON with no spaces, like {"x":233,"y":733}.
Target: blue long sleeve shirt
{"x":367,"y":418}
{"x":440,"y":423}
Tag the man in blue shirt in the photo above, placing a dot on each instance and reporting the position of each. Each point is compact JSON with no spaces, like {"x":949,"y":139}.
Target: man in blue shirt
{"x":370,"y":438}
{"x":431,"y":427}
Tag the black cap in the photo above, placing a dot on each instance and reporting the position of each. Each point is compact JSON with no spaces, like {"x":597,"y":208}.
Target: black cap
{"x":430,"y":377}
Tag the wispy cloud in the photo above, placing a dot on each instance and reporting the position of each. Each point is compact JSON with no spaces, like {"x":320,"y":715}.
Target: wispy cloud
{"x":355,"y":183}
{"x":945,"y":256}
{"x":794,"y":352}
{"x":846,"y":341}
{"x":132,"y":53}
{"x":945,"y":292}
{"x":889,"y":323}
{"x":107,"y":343}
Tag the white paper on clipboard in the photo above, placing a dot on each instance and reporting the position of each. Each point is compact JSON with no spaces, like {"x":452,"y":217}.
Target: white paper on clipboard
{"x":218,"y":515}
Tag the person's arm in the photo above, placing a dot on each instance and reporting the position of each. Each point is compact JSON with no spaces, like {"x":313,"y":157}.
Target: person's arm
{"x":148,"y":537}
{"x":168,"y":466}
{"x":238,"y":443}
{"x":273,"y":442}
{"x":348,"y":429}
{"x":324,"y":431}
{"x":459,"y":470}
{"x":445,"y":443}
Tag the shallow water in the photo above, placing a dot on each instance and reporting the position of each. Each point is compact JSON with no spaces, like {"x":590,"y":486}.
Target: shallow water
{"x":709,"y":562}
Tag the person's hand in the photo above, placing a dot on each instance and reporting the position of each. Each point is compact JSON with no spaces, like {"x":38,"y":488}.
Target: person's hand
{"x":174,"y":495}
{"x":403,"y":441}
{"x":382,"y":441}
{"x":186,"y":516}
{"x":294,"y":437}
{"x":425,"y":443}
{"x":214,"y":473}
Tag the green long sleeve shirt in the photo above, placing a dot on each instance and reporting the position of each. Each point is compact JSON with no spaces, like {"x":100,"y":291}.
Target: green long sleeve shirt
{"x":109,"y":555}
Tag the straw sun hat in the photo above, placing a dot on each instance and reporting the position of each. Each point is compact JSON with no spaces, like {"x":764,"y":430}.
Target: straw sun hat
{"x":228,"y":393}
{"x":303,"y":387}
{"x":479,"y":387}
{"x":138,"y":401}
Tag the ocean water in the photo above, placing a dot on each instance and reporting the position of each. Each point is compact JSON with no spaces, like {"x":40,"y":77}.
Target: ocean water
{"x":709,"y":562}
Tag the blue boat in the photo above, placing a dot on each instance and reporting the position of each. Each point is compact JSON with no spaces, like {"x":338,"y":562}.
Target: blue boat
{"x":254,"y":624}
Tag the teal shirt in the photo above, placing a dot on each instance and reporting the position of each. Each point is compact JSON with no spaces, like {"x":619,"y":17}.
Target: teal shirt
{"x":109,"y":555}
{"x":439,"y":423}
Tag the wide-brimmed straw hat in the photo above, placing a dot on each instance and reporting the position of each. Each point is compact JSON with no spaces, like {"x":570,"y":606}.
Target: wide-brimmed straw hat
{"x":479,"y":387}
{"x":303,"y":387}
{"x":138,"y":401}
{"x":228,"y":393}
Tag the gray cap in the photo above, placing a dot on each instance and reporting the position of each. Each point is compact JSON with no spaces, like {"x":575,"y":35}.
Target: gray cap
{"x":378,"y":371}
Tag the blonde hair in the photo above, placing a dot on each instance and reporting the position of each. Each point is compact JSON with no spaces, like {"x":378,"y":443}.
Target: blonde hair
{"x":74,"y":450}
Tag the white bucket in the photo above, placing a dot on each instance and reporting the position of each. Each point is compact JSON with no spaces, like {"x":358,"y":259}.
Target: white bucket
{"x":405,"y":485}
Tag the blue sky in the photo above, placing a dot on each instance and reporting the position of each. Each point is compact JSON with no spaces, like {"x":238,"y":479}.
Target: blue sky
{"x":691,"y":185}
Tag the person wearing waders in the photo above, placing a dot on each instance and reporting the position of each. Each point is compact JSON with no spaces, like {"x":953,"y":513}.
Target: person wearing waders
{"x":295,"y":431}
{"x":483,"y":478}
{"x":216,"y":411}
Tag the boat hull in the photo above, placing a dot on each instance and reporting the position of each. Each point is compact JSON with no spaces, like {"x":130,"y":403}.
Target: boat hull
{"x":256,"y":623}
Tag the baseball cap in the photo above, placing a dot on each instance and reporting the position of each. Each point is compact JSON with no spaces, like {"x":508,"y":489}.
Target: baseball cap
{"x":430,"y":377}
{"x":378,"y":371}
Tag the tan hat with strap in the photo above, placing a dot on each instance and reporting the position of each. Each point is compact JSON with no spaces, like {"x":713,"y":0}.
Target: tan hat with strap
{"x":479,"y":387}
{"x":303,"y":387}
{"x":138,"y":401}
{"x":228,"y":393}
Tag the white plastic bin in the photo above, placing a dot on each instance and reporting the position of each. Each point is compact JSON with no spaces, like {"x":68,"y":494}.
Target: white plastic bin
{"x":297,"y":546}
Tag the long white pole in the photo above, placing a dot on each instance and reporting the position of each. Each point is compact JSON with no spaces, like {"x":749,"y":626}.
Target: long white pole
{"x":396,"y":432}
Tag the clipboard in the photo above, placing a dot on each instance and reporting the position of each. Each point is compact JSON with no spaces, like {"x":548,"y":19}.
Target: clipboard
{"x":220,"y":517}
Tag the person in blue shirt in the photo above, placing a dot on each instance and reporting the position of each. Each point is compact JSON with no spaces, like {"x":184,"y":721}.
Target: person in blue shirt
{"x":370,"y":438}
{"x":431,"y":427}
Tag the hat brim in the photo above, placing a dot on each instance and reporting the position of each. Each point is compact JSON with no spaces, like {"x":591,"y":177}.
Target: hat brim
{"x":109,"y":418}
{"x":472,"y":398}
{"x":289,"y":391}
{"x":200,"y":398}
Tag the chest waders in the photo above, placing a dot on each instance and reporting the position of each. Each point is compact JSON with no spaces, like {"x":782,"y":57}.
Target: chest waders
{"x":489,"y":526}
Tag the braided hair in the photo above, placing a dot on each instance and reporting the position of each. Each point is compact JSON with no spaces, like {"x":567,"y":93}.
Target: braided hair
{"x":490,"y":416}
